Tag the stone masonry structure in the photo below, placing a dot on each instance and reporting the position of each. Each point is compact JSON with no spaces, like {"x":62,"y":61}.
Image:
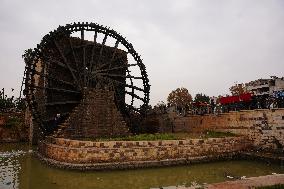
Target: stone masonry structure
{"x":132,"y":154}
{"x":96,"y":116}
{"x":264,"y":127}
{"x":13,"y":127}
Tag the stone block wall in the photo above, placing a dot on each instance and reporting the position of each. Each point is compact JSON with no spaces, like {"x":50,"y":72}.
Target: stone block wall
{"x":13,"y":127}
{"x":82,"y":152}
{"x":96,"y":116}
{"x":264,"y":127}
{"x":157,"y":123}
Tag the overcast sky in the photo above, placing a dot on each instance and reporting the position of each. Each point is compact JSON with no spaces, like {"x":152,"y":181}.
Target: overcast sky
{"x":203,"y":45}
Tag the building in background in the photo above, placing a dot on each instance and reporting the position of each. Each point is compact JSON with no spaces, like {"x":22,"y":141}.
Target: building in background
{"x":267,"y":87}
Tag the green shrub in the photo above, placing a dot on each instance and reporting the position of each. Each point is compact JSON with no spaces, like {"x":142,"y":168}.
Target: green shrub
{"x":8,"y":104}
{"x":164,"y":136}
{"x":216,"y":134}
{"x":146,"y":137}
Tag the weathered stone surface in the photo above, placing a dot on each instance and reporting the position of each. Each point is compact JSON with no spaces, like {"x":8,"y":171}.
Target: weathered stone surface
{"x":96,"y":116}
{"x":72,"y":151}
{"x":154,"y":123}
{"x":16,"y":132}
{"x":264,"y":127}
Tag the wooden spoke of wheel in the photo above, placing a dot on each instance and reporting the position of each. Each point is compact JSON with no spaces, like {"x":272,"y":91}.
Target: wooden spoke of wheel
{"x":131,"y":81}
{"x":126,"y":85}
{"x":52,"y":78}
{"x":115,"y":68}
{"x":52,"y":88}
{"x":61,"y":103}
{"x":84,"y":66}
{"x":73,"y":53}
{"x":95,"y":37}
{"x":132,"y":108}
{"x":50,"y":60}
{"x":75,"y":59}
{"x":117,"y":75}
{"x":107,"y":64}
{"x":113,"y":54}
{"x":82,"y":34}
{"x":112,"y":57}
{"x":92,"y":57}
{"x":66,"y":62}
{"x":135,"y":95}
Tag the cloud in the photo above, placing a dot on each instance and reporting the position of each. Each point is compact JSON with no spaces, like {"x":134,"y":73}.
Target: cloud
{"x":202,"y":45}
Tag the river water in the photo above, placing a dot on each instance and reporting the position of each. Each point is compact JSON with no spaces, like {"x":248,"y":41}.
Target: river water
{"x":19,"y":169}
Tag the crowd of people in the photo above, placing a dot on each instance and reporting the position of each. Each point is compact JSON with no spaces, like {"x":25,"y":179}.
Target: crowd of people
{"x":215,"y":106}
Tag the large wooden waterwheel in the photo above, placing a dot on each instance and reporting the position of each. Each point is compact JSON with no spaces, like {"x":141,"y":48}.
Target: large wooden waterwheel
{"x":79,"y":56}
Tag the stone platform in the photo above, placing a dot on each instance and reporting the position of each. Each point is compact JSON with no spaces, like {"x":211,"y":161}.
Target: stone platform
{"x":89,"y":155}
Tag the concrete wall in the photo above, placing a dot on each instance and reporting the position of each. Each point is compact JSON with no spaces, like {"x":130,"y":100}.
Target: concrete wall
{"x":74,"y":151}
{"x":264,"y":127}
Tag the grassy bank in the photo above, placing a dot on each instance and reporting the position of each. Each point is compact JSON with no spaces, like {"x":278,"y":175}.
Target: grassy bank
{"x":166,"y":136}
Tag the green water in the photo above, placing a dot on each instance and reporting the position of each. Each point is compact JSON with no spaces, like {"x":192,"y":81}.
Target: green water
{"x":19,"y":169}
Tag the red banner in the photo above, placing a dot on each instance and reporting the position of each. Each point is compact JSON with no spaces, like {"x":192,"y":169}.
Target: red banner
{"x":234,"y":99}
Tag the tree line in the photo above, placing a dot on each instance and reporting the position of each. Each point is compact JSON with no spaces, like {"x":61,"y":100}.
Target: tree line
{"x":181,"y":99}
{"x":10,"y":103}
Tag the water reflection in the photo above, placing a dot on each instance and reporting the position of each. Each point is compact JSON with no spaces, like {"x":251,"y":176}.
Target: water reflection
{"x":10,"y":169}
{"x":19,"y":169}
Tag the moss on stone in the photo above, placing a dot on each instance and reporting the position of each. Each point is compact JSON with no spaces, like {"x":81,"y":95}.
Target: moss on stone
{"x":216,"y":134}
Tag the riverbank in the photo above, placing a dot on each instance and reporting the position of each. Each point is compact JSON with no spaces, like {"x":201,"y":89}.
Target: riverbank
{"x":91,"y":155}
{"x":20,"y":169}
{"x":248,"y":183}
